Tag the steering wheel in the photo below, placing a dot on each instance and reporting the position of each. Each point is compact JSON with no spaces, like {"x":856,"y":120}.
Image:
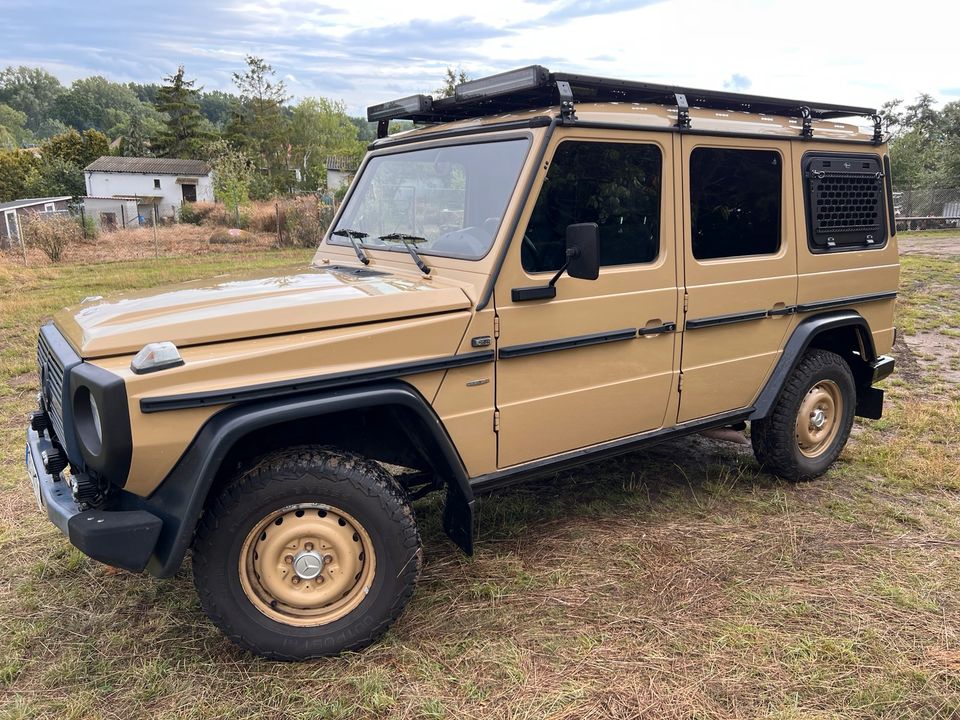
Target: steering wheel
{"x":528,"y":245}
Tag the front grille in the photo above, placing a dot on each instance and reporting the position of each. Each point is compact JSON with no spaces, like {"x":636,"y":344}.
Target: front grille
{"x":51,"y":383}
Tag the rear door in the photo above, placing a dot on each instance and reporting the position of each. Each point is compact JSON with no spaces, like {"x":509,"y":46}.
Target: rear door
{"x":740,"y":269}
{"x":597,"y":362}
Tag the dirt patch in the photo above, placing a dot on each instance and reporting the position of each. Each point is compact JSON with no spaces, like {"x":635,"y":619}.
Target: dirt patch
{"x":936,"y":354}
{"x":948,"y":246}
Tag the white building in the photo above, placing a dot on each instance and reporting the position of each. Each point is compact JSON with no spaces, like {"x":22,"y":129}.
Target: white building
{"x":340,"y":171}
{"x":157,"y":187}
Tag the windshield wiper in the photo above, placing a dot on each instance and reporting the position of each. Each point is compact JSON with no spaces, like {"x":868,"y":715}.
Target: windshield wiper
{"x":408,"y":242}
{"x":352,"y":236}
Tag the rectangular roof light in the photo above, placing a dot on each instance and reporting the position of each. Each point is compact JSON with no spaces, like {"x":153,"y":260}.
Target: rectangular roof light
{"x":527,"y":78}
{"x":412,"y":105}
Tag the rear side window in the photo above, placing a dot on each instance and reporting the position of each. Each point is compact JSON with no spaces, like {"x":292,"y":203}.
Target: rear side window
{"x":845,"y":201}
{"x":735,"y":198}
{"x":616,"y":185}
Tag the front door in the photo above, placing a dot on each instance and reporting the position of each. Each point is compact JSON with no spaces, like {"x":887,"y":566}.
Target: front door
{"x":189,"y":192}
{"x":596,"y":362}
{"x":740,"y":269}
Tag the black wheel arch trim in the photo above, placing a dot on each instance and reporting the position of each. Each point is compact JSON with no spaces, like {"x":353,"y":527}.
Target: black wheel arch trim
{"x":801,"y":339}
{"x":180,"y":499}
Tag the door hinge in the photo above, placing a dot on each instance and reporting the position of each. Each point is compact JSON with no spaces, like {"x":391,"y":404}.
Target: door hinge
{"x":496,"y":421}
{"x":496,"y":326}
{"x":686,"y":301}
{"x":680,"y":383}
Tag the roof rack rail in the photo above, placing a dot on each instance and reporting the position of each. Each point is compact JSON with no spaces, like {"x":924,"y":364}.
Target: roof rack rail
{"x":534,"y":87}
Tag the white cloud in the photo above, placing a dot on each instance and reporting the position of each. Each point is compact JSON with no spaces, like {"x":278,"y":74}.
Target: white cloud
{"x":367,"y":52}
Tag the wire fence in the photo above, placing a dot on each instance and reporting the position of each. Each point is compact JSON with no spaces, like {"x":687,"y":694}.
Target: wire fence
{"x":927,"y":208}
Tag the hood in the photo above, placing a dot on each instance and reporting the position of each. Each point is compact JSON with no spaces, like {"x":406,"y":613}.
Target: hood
{"x":233,"y":307}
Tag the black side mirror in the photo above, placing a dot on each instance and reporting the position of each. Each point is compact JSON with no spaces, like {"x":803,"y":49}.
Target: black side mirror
{"x":583,"y":262}
{"x":583,"y":251}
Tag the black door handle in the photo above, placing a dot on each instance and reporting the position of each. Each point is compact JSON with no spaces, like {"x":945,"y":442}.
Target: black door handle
{"x":665,"y":328}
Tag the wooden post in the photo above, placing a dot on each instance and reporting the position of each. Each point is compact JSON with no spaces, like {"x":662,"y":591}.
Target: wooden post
{"x":156,"y":219}
{"x":279,"y":231}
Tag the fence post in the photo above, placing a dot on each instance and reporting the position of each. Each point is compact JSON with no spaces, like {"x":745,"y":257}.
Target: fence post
{"x":83,"y":222}
{"x":156,"y":219}
{"x":279,"y":231}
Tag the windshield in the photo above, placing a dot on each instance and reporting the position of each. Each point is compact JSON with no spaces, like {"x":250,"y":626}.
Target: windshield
{"x":450,"y":199}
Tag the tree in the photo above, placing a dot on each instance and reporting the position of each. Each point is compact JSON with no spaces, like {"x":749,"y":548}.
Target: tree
{"x":18,"y":172}
{"x":184,"y":133}
{"x":320,"y":128}
{"x":32,"y":91}
{"x":925,"y":145}
{"x":80,"y":149}
{"x":452,"y":78}
{"x":13,"y":128}
{"x":217,"y":107}
{"x":96,"y":103}
{"x":232,"y":174}
{"x":260,"y":125}
{"x":56,"y":176}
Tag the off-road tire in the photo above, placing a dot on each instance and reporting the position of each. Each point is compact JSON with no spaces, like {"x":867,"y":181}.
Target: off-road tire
{"x":774,"y":438}
{"x":310,"y":474}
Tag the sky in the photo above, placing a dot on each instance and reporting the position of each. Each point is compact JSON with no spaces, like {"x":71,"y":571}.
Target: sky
{"x":367,"y":51}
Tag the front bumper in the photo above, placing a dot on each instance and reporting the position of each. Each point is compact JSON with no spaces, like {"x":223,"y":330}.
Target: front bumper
{"x":122,"y":538}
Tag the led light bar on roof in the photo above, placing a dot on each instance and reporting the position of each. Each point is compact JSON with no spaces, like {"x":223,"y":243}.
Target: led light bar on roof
{"x":527,"y":78}
{"x":404,"y":106}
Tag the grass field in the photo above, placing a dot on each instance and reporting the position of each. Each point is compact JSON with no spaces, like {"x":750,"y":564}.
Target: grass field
{"x":674,"y":583}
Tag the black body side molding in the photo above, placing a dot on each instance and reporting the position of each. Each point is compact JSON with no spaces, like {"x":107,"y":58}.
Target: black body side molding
{"x":799,"y":341}
{"x":179,"y":500}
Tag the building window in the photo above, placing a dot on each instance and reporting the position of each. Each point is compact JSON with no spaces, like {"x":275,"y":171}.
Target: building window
{"x":156,"y":183}
{"x":616,"y":185}
{"x":49,"y":207}
{"x":735,"y":198}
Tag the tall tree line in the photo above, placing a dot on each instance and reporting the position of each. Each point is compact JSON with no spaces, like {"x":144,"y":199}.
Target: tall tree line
{"x":49,"y":131}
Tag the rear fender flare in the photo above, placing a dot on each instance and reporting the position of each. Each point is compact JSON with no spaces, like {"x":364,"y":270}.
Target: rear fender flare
{"x":801,"y":339}
{"x":180,"y":499}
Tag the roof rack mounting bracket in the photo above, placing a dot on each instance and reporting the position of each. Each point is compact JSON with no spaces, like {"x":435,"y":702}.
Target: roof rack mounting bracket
{"x":383,"y":128}
{"x":683,"y":111}
{"x":807,"y":129}
{"x":568,"y":115}
{"x":877,"y":129}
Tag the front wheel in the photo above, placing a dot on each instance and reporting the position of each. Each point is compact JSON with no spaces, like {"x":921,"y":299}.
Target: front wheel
{"x":310,"y":553}
{"x":811,"y":421}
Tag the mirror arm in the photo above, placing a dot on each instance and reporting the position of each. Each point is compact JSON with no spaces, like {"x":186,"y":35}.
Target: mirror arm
{"x":548,"y":291}
{"x":572,"y":254}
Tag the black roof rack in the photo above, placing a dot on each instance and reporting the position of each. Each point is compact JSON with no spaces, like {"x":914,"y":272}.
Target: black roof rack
{"x":535,"y":86}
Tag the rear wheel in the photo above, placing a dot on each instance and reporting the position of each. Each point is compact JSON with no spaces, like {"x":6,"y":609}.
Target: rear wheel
{"x":310,"y":553}
{"x":811,"y":420}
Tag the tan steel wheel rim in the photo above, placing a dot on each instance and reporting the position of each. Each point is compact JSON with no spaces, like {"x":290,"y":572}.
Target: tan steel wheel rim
{"x":307,"y":565}
{"x":818,"y":420}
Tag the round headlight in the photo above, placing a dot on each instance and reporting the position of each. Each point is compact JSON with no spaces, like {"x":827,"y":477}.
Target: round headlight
{"x":86,"y":415}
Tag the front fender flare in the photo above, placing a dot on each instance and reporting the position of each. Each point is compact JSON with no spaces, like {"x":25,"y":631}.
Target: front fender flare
{"x":180,"y":499}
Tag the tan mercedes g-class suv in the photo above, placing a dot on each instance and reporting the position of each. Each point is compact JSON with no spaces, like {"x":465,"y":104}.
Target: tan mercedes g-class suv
{"x":547,"y":270}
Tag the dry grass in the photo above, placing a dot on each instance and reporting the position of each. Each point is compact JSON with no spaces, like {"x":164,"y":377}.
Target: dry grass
{"x":138,"y":244}
{"x":675,"y":583}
